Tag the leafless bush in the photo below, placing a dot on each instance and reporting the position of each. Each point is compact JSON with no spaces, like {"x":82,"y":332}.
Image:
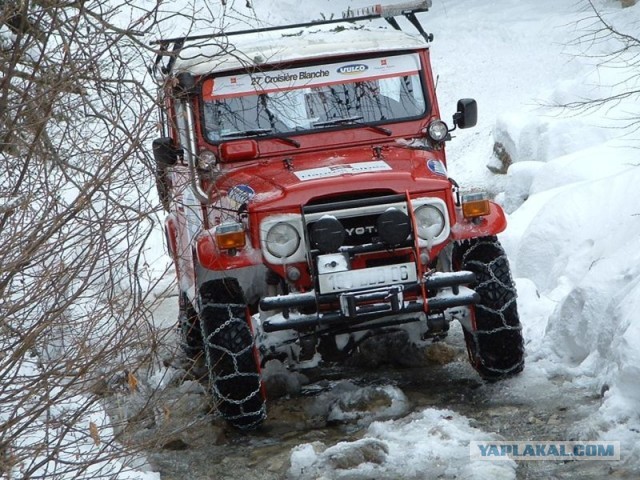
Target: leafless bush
{"x":613,"y":45}
{"x":76,"y":210}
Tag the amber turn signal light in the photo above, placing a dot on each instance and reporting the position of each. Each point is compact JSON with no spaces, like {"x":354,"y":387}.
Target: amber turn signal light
{"x":475,"y":205}
{"x":230,"y":236}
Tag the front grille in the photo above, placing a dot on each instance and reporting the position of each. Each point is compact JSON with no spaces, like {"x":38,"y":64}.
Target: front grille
{"x":359,"y":218}
{"x":348,"y":197}
{"x":359,"y":230}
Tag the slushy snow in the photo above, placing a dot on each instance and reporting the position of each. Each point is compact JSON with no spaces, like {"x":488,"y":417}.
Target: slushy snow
{"x":432,"y":443}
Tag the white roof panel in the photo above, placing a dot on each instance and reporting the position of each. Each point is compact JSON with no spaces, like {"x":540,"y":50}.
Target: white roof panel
{"x":240,"y":51}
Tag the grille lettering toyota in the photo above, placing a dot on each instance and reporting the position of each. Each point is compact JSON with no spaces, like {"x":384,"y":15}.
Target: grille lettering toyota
{"x":356,"y":231}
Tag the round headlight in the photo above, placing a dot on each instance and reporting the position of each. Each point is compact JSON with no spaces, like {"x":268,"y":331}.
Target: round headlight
{"x":282,"y":240}
{"x":430,"y":221}
{"x":438,"y":131}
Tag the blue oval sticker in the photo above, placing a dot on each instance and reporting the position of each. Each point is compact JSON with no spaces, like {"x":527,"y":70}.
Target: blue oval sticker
{"x":437,"y":167}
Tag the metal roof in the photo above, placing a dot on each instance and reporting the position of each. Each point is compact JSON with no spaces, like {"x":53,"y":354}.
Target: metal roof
{"x":203,"y":56}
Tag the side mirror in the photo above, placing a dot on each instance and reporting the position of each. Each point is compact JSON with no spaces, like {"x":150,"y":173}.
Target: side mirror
{"x":467,"y":114}
{"x":164,"y":152}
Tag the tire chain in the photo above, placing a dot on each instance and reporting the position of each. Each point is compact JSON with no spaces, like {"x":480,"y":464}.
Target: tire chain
{"x":210,"y":345}
{"x":492,"y":270}
{"x":189,"y":334}
{"x":494,"y":279}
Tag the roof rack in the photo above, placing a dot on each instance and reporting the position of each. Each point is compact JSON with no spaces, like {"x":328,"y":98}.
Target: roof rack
{"x":171,"y":47}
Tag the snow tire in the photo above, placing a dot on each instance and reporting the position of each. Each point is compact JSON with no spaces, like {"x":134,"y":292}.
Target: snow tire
{"x":189,"y":329}
{"x":496,"y":346}
{"x":230,"y":354}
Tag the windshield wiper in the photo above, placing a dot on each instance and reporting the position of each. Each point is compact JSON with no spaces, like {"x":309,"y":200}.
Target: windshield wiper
{"x":353,"y":121}
{"x":261,"y":131}
{"x":246,"y":133}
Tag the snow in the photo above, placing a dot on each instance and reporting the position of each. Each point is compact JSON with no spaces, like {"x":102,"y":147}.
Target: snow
{"x":433,"y":443}
{"x":246,"y":50}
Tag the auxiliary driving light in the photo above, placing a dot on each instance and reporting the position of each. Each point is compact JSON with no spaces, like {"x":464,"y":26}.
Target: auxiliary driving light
{"x":206,"y":159}
{"x":394,"y":227}
{"x":327,"y":234}
{"x":230,"y":236}
{"x":475,"y":205}
{"x":438,"y":131}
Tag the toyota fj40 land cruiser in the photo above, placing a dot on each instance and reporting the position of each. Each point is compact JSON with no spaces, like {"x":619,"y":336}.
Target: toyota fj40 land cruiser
{"x":305,"y":177}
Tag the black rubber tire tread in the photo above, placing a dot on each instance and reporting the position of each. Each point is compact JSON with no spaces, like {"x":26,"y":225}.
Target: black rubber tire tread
{"x":234,"y":373}
{"x":189,"y":329}
{"x":496,"y":348}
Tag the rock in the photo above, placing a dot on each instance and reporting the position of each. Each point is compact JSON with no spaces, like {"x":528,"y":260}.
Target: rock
{"x":277,"y":464}
{"x":176,"y":444}
{"x":279,"y":381}
{"x":191,"y":386}
{"x":348,"y":403}
{"x":554,"y":420}
{"x":503,"y":158}
{"x":440,"y":353}
{"x":348,"y":456}
{"x":532,"y":420}
{"x":393,"y":348}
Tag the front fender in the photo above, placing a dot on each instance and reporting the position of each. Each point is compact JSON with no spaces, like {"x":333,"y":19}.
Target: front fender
{"x":212,"y":258}
{"x":246,"y":266}
{"x":491,"y":224}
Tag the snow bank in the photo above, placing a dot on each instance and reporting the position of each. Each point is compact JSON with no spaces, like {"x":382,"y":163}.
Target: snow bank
{"x":573,"y":234}
{"x":428,"y":444}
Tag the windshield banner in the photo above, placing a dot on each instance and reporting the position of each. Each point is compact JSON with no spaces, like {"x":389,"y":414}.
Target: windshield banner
{"x":311,"y":76}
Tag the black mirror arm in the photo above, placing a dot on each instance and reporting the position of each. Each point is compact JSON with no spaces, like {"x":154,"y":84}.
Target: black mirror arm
{"x":456,"y":118}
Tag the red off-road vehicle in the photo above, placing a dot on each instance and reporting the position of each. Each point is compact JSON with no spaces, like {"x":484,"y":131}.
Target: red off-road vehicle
{"x":303,"y":168}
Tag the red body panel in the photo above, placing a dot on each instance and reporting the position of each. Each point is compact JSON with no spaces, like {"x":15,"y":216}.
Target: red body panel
{"x":281,"y":178}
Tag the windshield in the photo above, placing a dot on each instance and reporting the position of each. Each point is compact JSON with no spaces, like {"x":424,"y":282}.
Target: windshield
{"x":383,"y":89}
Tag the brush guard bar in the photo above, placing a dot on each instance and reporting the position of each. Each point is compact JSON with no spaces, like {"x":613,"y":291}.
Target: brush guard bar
{"x":362,"y":306}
